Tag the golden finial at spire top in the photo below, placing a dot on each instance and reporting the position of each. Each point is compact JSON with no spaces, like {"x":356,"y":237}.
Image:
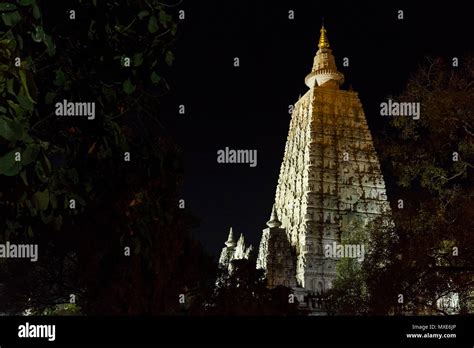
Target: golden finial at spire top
{"x":323,"y":40}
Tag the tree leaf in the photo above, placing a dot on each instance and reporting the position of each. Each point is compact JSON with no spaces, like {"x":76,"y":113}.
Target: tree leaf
{"x":30,"y":154}
{"x":15,"y":107}
{"x":169,"y":58}
{"x":23,"y":177}
{"x":46,"y":218}
{"x":24,"y":83}
{"x":143,"y":14}
{"x":49,"y":98}
{"x":50,"y":46}
{"x":155,"y":78}
{"x":10,"y":87}
{"x":5,"y":6}
{"x":11,"y":18}
{"x":10,"y":129}
{"x":91,"y":31}
{"x":38,"y":35}
{"x":137,"y":59}
{"x":13,"y":170}
{"x":26,"y":138}
{"x":152,"y":25}
{"x":174,"y":28}
{"x":41,"y":199}
{"x":164,"y":18}
{"x":128,"y":87}
{"x":60,"y":79}
{"x":40,"y":173}
{"x":36,"y":12}
{"x":30,"y":232}
{"x":46,"y":163}
{"x":25,"y":102}
{"x":8,"y":165}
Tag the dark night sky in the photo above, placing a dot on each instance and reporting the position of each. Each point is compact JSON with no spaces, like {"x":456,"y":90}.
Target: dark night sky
{"x":247,"y":107}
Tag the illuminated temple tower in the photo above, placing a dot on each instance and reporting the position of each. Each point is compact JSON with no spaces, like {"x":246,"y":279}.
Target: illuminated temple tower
{"x":329,"y":178}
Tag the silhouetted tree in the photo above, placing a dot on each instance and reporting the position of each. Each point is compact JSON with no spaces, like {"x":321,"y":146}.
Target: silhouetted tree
{"x":244,"y":292}
{"x":115,"y":54}
{"x":428,"y":255}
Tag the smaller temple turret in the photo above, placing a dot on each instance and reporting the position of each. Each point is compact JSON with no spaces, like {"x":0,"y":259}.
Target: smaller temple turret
{"x":234,"y":251}
{"x":227,"y":253}
{"x":230,"y":243}
{"x":240,"y":248}
{"x":275,"y":254}
{"x":248,"y":254}
{"x":274,"y":222}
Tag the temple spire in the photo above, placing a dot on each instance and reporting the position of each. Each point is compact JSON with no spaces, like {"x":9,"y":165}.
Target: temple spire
{"x":323,"y":40}
{"x":274,"y":222}
{"x":324,"y":71}
{"x":230,"y":240}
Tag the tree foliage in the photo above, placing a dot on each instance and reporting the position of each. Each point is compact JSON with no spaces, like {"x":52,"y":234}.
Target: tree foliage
{"x":428,"y":254}
{"x":118,"y":203}
{"x":244,"y":292}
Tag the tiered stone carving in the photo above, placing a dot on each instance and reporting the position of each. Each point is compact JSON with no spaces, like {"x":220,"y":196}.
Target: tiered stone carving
{"x":330,"y":176}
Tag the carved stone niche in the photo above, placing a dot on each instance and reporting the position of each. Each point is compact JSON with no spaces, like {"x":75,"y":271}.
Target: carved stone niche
{"x":309,"y":216}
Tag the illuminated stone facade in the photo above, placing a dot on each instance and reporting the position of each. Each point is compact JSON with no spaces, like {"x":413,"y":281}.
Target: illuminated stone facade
{"x":330,"y":181}
{"x":330,"y":177}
